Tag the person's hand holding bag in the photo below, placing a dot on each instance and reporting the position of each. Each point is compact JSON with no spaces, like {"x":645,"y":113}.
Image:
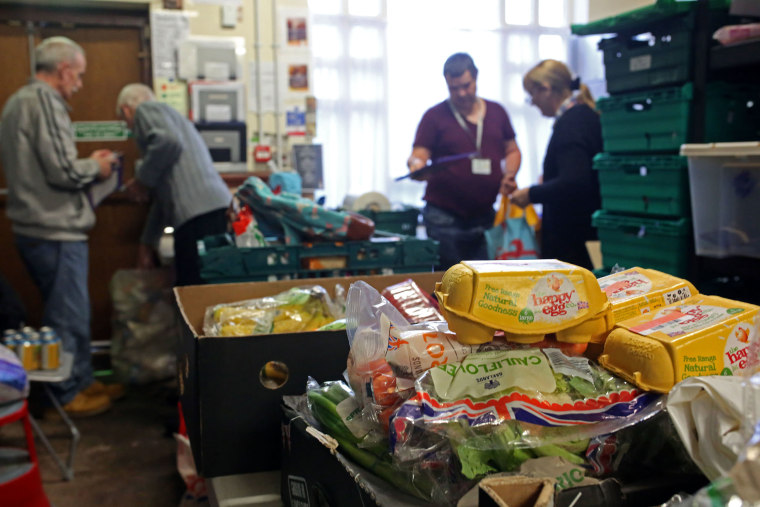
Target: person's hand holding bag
{"x":513,"y":234}
{"x":520,"y":197}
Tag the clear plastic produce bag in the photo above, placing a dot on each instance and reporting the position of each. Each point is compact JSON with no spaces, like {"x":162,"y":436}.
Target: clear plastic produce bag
{"x":146,"y":326}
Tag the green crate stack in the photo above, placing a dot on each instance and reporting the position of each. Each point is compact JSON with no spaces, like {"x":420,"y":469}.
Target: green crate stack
{"x":223,"y":262}
{"x":650,"y":64}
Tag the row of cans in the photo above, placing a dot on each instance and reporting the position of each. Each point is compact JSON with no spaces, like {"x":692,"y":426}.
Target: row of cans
{"x":37,"y":350}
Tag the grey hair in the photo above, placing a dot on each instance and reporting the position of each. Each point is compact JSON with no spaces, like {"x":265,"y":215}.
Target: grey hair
{"x":54,"y":50}
{"x":133,"y":95}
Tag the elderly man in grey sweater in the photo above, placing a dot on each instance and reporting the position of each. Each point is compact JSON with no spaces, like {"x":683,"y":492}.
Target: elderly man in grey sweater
{"x":50,"y":212}
{"x":178,"y":174}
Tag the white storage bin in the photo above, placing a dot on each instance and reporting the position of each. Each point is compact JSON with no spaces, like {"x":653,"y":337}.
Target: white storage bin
{"x":724,"y":180}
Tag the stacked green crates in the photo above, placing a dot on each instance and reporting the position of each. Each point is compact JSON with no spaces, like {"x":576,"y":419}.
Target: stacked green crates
{"x":645,"y":218}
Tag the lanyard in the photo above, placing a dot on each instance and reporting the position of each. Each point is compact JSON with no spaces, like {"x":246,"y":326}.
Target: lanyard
{"x":460,"y":120}
{"x":567,"y":104}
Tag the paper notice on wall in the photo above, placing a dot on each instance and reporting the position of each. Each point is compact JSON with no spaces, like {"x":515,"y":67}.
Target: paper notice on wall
{"x":172,"y":92}
{"x":167,"y":30}
{"x":295,"y":121}
{"x":266,"y":79}
{"x":216,"y":71}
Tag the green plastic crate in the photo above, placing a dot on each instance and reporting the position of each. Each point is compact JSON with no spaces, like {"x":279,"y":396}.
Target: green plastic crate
{"x":661,"y":244}
{"x":223,"y":262}
{"x":632,"y":63}
{"x":638,"y":184}
{"x":400,"y":222}
{"x":419,"y":252}
{"x":639,"y":19}
{"x":220,"y":258}
{"x":656,"y":55}
{"x":660,"y":119}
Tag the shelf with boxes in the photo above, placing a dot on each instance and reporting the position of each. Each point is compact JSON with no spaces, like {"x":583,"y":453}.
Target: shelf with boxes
{"x":660,"y":98}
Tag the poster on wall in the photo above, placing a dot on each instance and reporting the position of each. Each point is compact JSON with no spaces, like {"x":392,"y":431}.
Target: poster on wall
{"x":295,"y":121}
{"x":307,"y":161}
{"x":293,"y":27}
{"x":172,"y":92}
{"x":295,"y":78}
{"x":167,"y":30}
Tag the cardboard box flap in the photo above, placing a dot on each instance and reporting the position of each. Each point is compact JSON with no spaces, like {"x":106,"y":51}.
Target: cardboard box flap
{"x":517,"y":491}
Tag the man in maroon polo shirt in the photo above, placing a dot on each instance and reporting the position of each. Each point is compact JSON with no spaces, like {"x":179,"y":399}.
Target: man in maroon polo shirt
{"x":460,"y":193}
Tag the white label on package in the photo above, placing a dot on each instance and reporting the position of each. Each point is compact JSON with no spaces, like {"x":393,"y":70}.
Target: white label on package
{"x":482,"y":374}
{"x":570,"y":366}
{"x":625,"y":285}
{"x":351,"y":413}
{"x":677,"y":295}
{"x":678,"y":320}
{"x":643,"y":62}
{"x":411,"y":352}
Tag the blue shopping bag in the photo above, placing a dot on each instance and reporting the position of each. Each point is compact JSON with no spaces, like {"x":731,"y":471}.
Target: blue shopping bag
{"x":513,"y":235}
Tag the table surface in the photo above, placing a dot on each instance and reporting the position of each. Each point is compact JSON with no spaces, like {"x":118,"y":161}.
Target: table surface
{"x":58,"y":375}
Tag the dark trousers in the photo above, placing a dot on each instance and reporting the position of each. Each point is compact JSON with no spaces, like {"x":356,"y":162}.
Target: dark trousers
{"x":59,"y":269}
{"x":186,"y":236}
{"x":458,"y":239}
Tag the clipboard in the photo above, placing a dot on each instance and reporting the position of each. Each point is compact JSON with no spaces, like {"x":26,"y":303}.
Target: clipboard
{"x":436,"y":165}
{"x":99,"y":190}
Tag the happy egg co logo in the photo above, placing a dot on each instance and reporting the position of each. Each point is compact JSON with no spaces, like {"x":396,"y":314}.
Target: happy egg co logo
{"x":553,"y":299}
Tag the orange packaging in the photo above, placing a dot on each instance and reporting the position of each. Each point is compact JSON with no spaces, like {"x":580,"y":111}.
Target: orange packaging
{"x":699,"y":336}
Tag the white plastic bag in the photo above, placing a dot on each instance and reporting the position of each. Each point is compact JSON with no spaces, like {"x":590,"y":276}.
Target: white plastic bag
{"x":145,"y":327}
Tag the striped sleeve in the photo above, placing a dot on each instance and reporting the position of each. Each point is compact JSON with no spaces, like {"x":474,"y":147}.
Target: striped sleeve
{"x":161,"y":148}
{"x":56,"y":149}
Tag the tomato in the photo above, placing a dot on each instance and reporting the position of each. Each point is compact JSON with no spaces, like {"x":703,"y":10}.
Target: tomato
{"x":569,"y":349}
{"x":384,"y":389}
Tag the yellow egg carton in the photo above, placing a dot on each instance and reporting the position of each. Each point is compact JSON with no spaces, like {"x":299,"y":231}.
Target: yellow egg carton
{"x":526,"y":299}
{"x":699,"y":336}
{"x":638,"y":290}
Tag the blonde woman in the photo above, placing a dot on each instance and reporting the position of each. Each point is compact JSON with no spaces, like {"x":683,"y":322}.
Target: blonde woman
{"x":569,"y":192}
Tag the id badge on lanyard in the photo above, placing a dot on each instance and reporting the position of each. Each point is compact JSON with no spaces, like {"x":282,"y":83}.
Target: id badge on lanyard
{"x":480,"y":166}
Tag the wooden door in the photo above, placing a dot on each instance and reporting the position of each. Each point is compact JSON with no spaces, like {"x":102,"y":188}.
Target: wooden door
{"x":116,"y":55}
{"x":15,"y":62}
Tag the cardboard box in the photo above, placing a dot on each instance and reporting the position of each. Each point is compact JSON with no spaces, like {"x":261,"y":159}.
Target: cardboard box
{"x":232,"y":418}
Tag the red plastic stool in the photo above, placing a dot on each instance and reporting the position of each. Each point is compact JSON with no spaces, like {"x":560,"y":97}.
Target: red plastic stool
{"x":21,"y":484}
